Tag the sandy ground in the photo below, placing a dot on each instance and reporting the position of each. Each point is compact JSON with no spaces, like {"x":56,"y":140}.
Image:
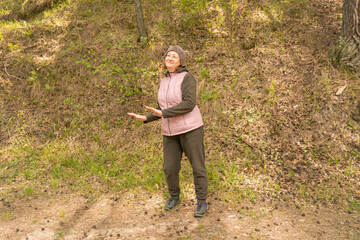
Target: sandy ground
{"x":128,"y":217}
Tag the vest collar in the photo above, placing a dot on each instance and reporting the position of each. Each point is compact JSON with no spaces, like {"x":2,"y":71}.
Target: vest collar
{"x":179,"y":70}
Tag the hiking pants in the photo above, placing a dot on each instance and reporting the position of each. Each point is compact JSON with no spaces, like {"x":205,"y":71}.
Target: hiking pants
{"x":192,"y":144}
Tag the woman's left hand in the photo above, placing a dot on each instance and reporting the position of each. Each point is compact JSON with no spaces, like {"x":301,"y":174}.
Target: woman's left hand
{"x":155,"y":111}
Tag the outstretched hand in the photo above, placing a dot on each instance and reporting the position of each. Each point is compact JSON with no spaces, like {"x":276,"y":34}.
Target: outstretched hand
{"x":138,"y":117}
{"x":143,"y":118}
{"x":155,"y":111}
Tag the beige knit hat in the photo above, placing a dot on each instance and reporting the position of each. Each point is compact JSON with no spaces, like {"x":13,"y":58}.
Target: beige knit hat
{"x":178,"y":50}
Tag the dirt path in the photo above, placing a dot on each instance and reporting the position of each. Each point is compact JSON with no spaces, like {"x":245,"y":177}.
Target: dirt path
{"x":128,"y":217}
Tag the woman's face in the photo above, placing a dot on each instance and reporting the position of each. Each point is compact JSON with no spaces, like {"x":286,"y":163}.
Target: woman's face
{"x":172,"y":61}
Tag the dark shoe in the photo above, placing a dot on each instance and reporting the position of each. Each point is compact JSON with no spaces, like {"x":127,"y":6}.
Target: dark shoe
{"x":171,"y":203}
{"x":200,"y":210}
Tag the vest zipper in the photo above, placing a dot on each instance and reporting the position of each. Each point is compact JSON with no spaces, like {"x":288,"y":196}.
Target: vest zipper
{"x":167,"y":104}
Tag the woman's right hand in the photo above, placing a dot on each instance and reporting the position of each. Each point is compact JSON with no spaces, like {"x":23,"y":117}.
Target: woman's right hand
{"x":138,"y":117}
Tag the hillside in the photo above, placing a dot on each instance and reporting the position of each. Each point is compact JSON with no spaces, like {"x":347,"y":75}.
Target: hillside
{"x":282,"y":124}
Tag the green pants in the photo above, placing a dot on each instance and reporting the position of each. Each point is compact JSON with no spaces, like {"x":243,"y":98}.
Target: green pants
{"x":192,"y":144}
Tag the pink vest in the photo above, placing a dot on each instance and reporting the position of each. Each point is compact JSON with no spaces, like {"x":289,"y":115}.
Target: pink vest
{"x":169,"y":95}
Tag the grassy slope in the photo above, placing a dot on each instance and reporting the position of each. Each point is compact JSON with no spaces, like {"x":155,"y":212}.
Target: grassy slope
{"x":274,"y":127}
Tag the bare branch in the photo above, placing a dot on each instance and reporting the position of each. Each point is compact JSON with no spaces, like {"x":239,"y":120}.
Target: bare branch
{"x":10,"y":74}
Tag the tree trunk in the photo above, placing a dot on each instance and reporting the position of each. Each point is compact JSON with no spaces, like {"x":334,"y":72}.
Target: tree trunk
{"x":140,"y":21}
{"x":346,"y":51}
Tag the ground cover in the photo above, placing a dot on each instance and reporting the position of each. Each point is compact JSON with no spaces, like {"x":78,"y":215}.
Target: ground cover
{"x":282,"y":124}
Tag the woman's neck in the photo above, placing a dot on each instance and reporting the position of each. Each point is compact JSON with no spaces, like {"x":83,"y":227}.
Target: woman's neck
{"x":173,"y":69}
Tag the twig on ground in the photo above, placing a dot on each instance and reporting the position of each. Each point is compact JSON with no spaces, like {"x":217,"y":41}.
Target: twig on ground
{"x":10,"y":74}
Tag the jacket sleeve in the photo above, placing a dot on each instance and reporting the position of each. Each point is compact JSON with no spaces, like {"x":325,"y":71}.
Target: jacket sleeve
{"x":150,"y":117}
{"x":188,"y":102}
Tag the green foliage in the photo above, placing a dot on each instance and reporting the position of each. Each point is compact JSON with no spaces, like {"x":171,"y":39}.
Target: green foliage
{"x":7,"y":5}
{"x":353,"y":125}
{"x":6,"y":215}
{"x":119,"y":69}
{"x":69,"y":101}
{"x":114,"y":169}
{"x":29,"y":190}
{"x":190,"y":6}
{"x":13,"y":47}
{"x":60,"y":234}
{"x":199,"y":59}
{"x":204,"y":74}
{"x":209,"y":95}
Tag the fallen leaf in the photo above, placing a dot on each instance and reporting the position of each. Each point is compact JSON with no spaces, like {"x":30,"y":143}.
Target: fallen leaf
{"x":341,"y":90}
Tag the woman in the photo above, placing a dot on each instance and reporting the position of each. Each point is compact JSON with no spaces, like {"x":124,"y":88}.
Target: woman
{"x":182,"y":128}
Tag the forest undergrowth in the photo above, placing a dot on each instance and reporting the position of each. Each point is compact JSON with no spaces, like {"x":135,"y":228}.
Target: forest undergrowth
{"x":282,"y":124}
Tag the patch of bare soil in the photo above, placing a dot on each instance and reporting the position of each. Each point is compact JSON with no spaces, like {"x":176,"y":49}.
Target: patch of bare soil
{"x":130,"y":217}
